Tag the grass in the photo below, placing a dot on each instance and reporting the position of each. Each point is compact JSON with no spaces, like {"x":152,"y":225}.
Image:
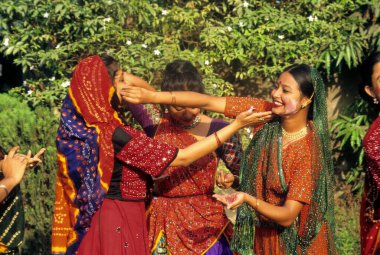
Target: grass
{"x":347,"y":207}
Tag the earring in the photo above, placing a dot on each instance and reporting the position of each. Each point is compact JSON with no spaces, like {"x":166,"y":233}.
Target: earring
{"x":375,"y":101}
{"x":166,"y":110}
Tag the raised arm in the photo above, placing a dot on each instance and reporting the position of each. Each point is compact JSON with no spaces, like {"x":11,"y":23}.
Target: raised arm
{"x":152,"y":157}
{"x":133,"y":91}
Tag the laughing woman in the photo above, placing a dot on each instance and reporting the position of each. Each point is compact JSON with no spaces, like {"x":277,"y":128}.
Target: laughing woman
{"x":286,"y":198}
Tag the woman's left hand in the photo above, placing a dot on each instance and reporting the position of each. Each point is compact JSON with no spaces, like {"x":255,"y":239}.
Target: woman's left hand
{"x":232,"y":201}
{"x":36,"y":158}
{"x":32,"y":162}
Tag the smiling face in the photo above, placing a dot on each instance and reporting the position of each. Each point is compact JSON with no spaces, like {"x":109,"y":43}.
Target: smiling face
{"x":287,"y":96}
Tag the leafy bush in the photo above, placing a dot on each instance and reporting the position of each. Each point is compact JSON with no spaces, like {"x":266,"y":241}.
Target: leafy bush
{"x":33,"y":130}
{"x":349,"y":130}
{"x":234,"y":40}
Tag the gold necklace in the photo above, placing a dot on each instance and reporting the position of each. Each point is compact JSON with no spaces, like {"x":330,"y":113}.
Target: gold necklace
{"x":294,"y":135}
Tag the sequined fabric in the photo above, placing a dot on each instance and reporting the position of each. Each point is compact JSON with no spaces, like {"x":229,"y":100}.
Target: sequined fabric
{"x":236,"y":105}
{"x":369,"y":214}
{"x":143,"y":156}
{"x":298,"y":176}
{"x":11,"y":222}
{"x":184,"y":218}
{"x":274,"y":174}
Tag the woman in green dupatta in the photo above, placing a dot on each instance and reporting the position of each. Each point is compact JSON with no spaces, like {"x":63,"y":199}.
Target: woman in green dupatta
{"x":286,"y":200}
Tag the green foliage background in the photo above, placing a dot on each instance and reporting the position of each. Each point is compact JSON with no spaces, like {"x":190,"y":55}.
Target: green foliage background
{"x":237,"y":45}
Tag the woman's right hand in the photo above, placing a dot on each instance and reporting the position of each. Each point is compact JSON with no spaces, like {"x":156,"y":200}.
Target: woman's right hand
{"x":250,"y":118}
{"x":14,"y":165}
{"x":136,"y":95}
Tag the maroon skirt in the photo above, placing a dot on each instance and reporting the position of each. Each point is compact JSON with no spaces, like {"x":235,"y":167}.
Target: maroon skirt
{"x":118,"y":227}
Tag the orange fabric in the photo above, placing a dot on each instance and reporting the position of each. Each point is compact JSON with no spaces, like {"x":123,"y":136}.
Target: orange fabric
{"x":296,"y":163}
{"x":299,"y":179}
{"x":236,"y":105}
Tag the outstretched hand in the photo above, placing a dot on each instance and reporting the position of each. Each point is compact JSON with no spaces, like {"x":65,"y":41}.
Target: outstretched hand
{"x":251,"y":118}
{"x":14,"y":165}
{"x":232,"y":201}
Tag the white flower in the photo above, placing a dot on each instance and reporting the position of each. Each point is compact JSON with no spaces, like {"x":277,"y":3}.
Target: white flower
{"x":315,"y":18}
{"x":245,"y":4}
{"x":157,"y":52}
{"x":52,"y":78}
{"x":229,"y":29}
{"x":107,"y":19}
{"x":281,"y":37}
{"x":58,"y":45}
{"x":129,"y":42}
{"x":144,"y":45}
{"x":207,"y":62}
{"x":214,"y":85}
{"x":6,"y":42}
{"x":310,"y":18}
{"x":24,"y":84}
{"x":164,"y":12}
{"x":29,"y":92}
{"x":65,"y":84}
{"x":241,"y":24}
{"x":46,"y":15}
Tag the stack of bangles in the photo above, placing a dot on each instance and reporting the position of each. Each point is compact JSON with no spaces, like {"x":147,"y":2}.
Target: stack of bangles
{"x":173,"y":97}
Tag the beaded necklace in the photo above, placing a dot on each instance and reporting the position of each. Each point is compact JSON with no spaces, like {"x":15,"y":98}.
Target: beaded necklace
{"x":290,"y":137}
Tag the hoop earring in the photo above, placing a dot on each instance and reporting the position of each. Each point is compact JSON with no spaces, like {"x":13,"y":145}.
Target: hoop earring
{"x":375,"y":101}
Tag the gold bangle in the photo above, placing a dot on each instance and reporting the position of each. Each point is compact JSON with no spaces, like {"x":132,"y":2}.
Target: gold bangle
{"x":217,"y":139}
{"x":2,"y":186}
{"x":173,"y":97}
